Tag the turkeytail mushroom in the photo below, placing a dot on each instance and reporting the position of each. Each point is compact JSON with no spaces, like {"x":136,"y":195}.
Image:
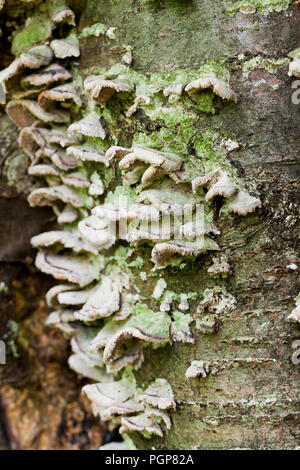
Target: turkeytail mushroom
{"x":25,"y":113}
{"x":68,"y":215}
{"x":169,"y":198}
{"x":62,"y":14}
{"x":217,"y":300}
{"x":67,"y":47}
{"x":103,"y":302}
{"x":145,"y":423}
{"x":90,"y":126}
{"x":62,"y":160}
{"x":163,"y":253}
{"x":52,"y":294}
{"x":65,"y":94}
{"x":220,"y":184}
{"x":102,"y":90}
{"x":98,"y":232}
{"x":294,"y":316}
{"x":51,"y":75}
{"x":62,"y":238}
{"x":37,"y":57}
{"x":219,"y":267}
{"x":46,"y":196}
{"x":159,"y":394}
{"x":218,"y":86}
{"x":294,"y":68}
{"x":62,"y":320}
{"x":197,"y":369}
{"x":159,"y":162}
{"x":137,"y":102}
{"x":76,"y":269}
{"x":87,"y":153}
{"x":242,"y":203}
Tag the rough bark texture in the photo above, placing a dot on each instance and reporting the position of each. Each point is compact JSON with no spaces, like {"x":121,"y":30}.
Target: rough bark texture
{"x":253,"y":400}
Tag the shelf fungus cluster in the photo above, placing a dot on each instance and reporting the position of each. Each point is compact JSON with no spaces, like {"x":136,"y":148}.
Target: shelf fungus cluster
{"x":163,"y":201}
{"x":131,"y":408}
{"x":294,"y":316}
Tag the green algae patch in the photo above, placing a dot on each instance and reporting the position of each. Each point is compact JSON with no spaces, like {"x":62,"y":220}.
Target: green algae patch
{"x":37,"y":30}
{"x":264,"y":7}
{"x":271,"y":65}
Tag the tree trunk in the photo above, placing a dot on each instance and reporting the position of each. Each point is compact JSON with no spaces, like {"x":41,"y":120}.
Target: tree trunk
{"x":250,"y":398}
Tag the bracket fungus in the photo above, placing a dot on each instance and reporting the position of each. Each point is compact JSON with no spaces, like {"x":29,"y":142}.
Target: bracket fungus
{"x":51,"y":75}
{"x":159,"y":394}
{"x":218,"y":86}
{"x":67,"y":47}
{"x":50,"y":195}
{"x":145,"y":423}
{"x":294,"y":316}
{"x":81,"y":270}
{"x":101,"y":90}
{"x":89,"y":126}
{"x":87,"y":153}
{"x":294,"y":68}
{"x":64,"y":94}
{"x":65,"y":239}
{"x":149,"y":207}
{"x":217,"y":300}
{"x":25,"y":113}
{"x":197,"y":369}
{"x":102,"y":302}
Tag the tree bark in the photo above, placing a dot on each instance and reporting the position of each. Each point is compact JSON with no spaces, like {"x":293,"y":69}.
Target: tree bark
{"x":251,"y":401}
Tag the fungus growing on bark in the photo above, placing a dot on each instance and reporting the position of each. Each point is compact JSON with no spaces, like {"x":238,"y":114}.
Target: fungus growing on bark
{"x":137,"y":102}
{"x":25,"y":113}
{"x":87,"y":153}
{"x":160,"y":163}
{"x":65,"y":94}
{"x":48,"y":196}
{"x":52,"y":294}
{"x":67,"y":47}
{"x":217,"y":300}
{"x":82,"y":361}
{"x":242,"y":203}
{"x":89,"y":126}
{"x":294,"y":68}
{"x":219,"y":266}
{"x":80,"y":270}
{"x":173,"y":92}
{"x":102,"y":302}
{"x":167,"y":252}
{"x":218,"y":86}
{"x":159,"y":394}
{"x":112,"y":398}
{"x":37,"y":57}
{"x":97,"y":231}
{"x":101,"y":90}
{"x":169,"y":198}
{"x":68,"y":215}
{"x":294,"y":316}
{"x":62,"y":238}
{"x":32,"y":139}
{"x":51,"y":75}
{"x":62,"y":14}
{"x":145,"y":423}
{"x":197,"y":369}
{"x":62,"y":319}
{"x":220,"y":184}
